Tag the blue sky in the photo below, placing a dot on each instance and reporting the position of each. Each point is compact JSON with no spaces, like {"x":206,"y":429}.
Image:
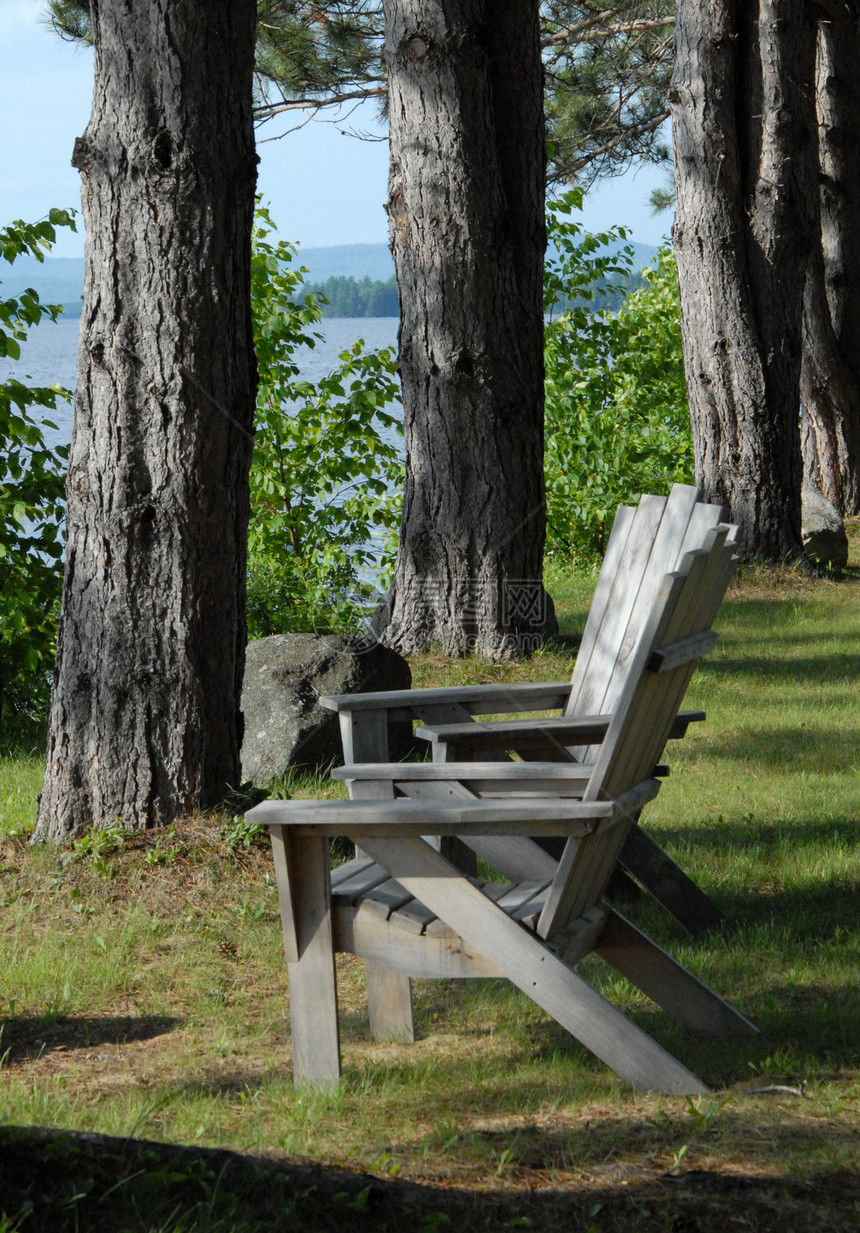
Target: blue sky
{"x":324,"y":187}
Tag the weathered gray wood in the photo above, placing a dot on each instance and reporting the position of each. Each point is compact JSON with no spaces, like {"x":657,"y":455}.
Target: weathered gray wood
{"x":550,"y":789}
{"x":666,"y":982}
{"x":648,"y":701}
{"x":473,"y":817}
{"x":437,"y":956}
{"x":341,"y":872}
{"x":555,"y":731}
{"x":364,"y":735}
{"x":360,"y":882}
{"x":668,"y":883}
{"x":514,"y":856}
{"x":586,"y":863}
{"x":704,"y":518}
{"x":414,"y":914}
{"x":644,"y":712}
{"x":483,"y":735}
{"x":644,"y":581}
{"x":636,"y":735}
{"x":491,"y":699}
{"x":285,"y":881}
{"x":518,"y":895}
{"x":667,"y":657}
{"x":532,"y":967}
{"x":621,"y":529}
{"x":395,"y":1010}
{"x":441,"y":713}
{"x":579,"y":938}
{"x":596,"y":683}
{"x":412,"y":772}
{"x":312,"y":981}
{"x":389,"y":1001}
{"x":387,"y":897}
{"x":685,"y":523}
{"x":412,"y":917}
{"x":530,"y":909}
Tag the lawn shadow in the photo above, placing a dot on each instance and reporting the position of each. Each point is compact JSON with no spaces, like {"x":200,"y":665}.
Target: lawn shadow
{"x":729,"y":836}
{"x":778,"y":747}
{"x":25,"y":1038}
{"x":62,"y":1180}
{"x":811,"y":910}
{"x":801,"y":668}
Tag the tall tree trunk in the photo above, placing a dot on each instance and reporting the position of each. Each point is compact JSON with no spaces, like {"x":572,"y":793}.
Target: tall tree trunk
{"x":830,"y":378}
{"x":145,"y":722}
{"x":466,"y":196}
{"x":743,"y":131}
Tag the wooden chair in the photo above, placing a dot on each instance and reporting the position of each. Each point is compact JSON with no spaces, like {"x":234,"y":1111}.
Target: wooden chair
{"x":405,"y":908}
{"x":646,"y":543}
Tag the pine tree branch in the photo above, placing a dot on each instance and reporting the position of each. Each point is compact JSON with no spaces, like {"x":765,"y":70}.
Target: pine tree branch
{"x":268,"y":110}
{"x":578,"y":32}
{"x":593,"y":155}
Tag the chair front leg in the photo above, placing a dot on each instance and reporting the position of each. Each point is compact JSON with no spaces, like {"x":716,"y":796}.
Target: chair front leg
{"x":304,"y":895}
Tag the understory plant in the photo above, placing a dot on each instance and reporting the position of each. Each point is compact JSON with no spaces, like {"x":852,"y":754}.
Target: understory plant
{"x":32,"y":477}
{"x":327,"y":475}
{"x":617,"y":422}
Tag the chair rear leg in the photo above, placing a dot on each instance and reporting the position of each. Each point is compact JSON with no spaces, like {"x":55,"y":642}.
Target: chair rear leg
{"x":389,"y":993}
{"x":667,"y":982}
{"x":668,"y":883}
{"x":389,"y":1001}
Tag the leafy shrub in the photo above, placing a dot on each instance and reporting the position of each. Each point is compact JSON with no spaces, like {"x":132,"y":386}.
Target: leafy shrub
{"x":325,"y":484}
{"x":31,"y":497}
{"x":617,"y":422}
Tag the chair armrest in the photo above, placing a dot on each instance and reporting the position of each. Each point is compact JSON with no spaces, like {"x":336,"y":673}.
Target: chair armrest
{"x":538,"y":816}
{"x":534,"y":733}
{"x":477,"y":699}
{"x":519,"y":733}
{"x":573,"y":775}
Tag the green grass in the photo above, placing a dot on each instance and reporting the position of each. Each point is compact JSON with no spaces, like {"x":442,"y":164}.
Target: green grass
{"x":143,"y":997}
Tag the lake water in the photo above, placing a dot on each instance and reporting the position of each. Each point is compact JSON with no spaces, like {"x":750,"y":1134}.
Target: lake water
{"x":51,"y":354}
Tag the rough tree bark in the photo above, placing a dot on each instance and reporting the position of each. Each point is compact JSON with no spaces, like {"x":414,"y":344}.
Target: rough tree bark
{"x":145,"y":720}
{"x":830,"y":378}
{"x":743,"y":130}
{"x":466,"y":196}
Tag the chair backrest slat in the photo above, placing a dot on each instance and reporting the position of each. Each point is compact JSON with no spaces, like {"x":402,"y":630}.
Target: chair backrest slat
{"x":621,"y":574}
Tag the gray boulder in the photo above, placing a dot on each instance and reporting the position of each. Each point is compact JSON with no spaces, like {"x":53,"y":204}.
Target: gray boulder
{"x":285,"y":726}
{"x":824,"y":538}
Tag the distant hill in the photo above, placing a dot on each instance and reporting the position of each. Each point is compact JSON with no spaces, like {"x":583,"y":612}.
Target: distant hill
{"x":374,"y":261}
{"x":643,"y":254}
{"x":60,"y":280}
{"x":357,"y":261}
